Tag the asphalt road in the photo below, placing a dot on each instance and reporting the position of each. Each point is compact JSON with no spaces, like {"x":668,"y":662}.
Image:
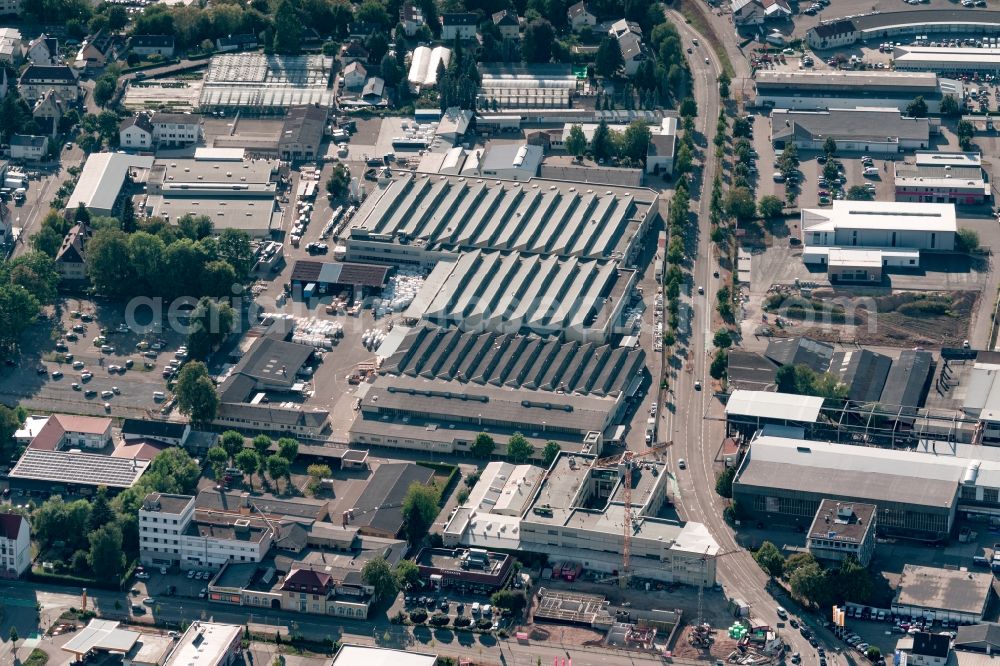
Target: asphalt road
{"x":697,"y":435}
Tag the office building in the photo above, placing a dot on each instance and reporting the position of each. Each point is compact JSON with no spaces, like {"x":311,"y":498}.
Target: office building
{"x":841,"y":530}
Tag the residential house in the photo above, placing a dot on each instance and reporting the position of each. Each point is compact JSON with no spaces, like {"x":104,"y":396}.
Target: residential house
{"x":355,"y":75}
{"x":236,"y":43}
{"x":925,"y":649}
{"x":373,"y":91}
{"x":458,"y":25}
{"x":166,"y":432}
{"x":37,"y":80}
{"x":757,"y":12}
{"x":302,"y":133}
{"x":10,"y":7}
{"x":176,"y":129}
{"x":317,"y":592}
{"x":362,"y":30}
{"x":136,"y":132}
{"x":71,"y":263}
{"x":47,"y":112}
{"x":580,"y":16}
{"x":353,"y":51}
{"x":507,"y":23}
{"x":412,"y":18}
{"x":97,"y":50}
{"x":629,"y":36}
{"x":43,"y":50}
{"x":65,"y":431}
{"x":147,"y":45}
{"x":28,"y":147}
{"x":15,"y":545}
{"x":983,"y":638}
{"x":10,"y":46}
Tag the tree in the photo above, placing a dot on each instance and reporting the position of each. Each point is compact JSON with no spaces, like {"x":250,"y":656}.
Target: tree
{"x":723,"y":338}
{"x":483,"y":446}
{"x":770,"y":559}
{"x":740,"y":204}
{"x":218,"y":458}
{"x":288,"y":448}
{"x":100,"y":511}
{"x":196,"y":394}
{"x":81,"y":215}
{"x":689,"y":108}
{"x":852,"y":581}
{"x":277,"y":467}
{"x":719,"y":365}
{"x":770,"y":207}
{"x":512,"y":600}
{"x":873,"y":653}
{"x":809,"y":582}
{"x":108,"y":264}
{"x":724,"y":482}
{"x":391,"y":72}
{"x":859,"y":193}
{"x":407,"y":574}
{"x":210,"y":324}
{"x":232,"y":442}
{"x":635,"y":141}
{"x":317,"y":473}
{"x":602,"y":144}
{"x":107,"y":560}
{"x":797,"y":560}
{"x":13,"y":634}
{"x":420,"y":508}
{"x":803,"y":380}
{"x":173,"y":471}
{"x":262,"y":444}
{"x":378,"y":574}
{"x":609,"y":61}
{"x":917,"y":108}
{"x":536,"y":44}
{"x":235,"y":248}
{"x":741,"y":128}
{"x":18,"y":310}
{"x":248,"y":462}
{"x":549,"y":453}
{"x":950,"y":106}
{"x":339,"y":182}
{"x":830,"y":146}
{"x":287,"y":29}
{"x":724,"y":82}
{"x":104,"y":90}
{"x":576,"y":142}
{"x":967,"y":240}
{"x":519,"y":449}
{"x":965,"y":131}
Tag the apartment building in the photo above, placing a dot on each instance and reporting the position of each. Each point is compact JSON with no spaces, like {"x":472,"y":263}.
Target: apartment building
{"x":15,"y":545}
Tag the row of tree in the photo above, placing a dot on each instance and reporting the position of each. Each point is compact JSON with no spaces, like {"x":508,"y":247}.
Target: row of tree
{"x":231,"y":451}
{"x":629,"y":146}
{"x":519,"y":449}
{"x":814,"y":584}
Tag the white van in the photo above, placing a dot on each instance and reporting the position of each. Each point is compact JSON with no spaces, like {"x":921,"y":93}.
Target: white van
{"x":475,"y":608}
{"x":159,"y":396}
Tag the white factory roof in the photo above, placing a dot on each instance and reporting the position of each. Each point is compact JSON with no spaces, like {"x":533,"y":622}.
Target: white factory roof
{"x":936,"y":158}
{"x":219,"y":154}
{"x":767,"y":405}
{"x":102,"y":178}
{"x":883,"y":215}
{"x":982,"y":397}
{"x":974,"y":57}
{"x":101,"y":635}
{"x":363,"y":655}
{"x":205,"y":644}
{"x":454,"y":121}
{"x":840,"y":257}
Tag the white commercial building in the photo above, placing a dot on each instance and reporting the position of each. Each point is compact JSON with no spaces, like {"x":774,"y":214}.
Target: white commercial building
{"x":865,"y":130}
{"x":364,"y":655}
{"x":170,"y":534}
{"x":510,"y":161}
{"x":575,"y":512}
{"x":207,"y":644}
{"x":897,"y":232}
{"x":946,"y":59}
{"x":815,"y":90}
{"x":102,"y":179}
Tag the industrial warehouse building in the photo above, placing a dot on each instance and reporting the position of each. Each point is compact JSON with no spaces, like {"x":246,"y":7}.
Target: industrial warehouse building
{"x":886,"y":25}
{"x":266,"y":83}
{"x":946,"y":60}
{"x":783,"y":479}
{"x":943,"y":594}
{"x":439,"y":388}
{"x":871,"y":131}
{"x":935,"y":177}
{"x":419,"y":219}
{"x":358,"y":280}
{"x":575,"y":513}
{"x":856,"y":239}
{"x":509,"y":292}
{"x":234,"y":194}
{"x":102,"y":179}
{"x":808,"y":90}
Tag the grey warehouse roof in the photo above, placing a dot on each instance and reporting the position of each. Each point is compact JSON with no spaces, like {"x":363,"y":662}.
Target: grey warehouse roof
{"x":896,"y":82}
{"x":536,"y":216}
{"x":848,"y":125}
{"x":943,"y":589}
{"x":865,"y":473}
{"x":515,"y":361}
{"x":863,"y":372}
{"x":800,"y":351}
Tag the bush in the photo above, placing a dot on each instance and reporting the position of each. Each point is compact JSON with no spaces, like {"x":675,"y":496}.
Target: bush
{"x":463,"y":621}
{"x":418,"y":616}
{"x":483,"y":624}
{"x":439,"y":619}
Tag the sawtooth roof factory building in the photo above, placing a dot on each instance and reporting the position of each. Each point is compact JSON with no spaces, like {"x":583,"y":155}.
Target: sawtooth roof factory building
{"x":784,"y":478}
{"x":813,"y":91}
{"x":421,"y":218}
{"x":439,"y":388}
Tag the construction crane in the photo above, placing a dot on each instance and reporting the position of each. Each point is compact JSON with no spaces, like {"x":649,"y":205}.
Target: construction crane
{"x":626,"y":460}
{"x":701,"y":581}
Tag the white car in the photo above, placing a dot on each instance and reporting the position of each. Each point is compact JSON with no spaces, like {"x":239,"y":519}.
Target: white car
{"x":682,"y":464}
{"x":190,"y":574}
